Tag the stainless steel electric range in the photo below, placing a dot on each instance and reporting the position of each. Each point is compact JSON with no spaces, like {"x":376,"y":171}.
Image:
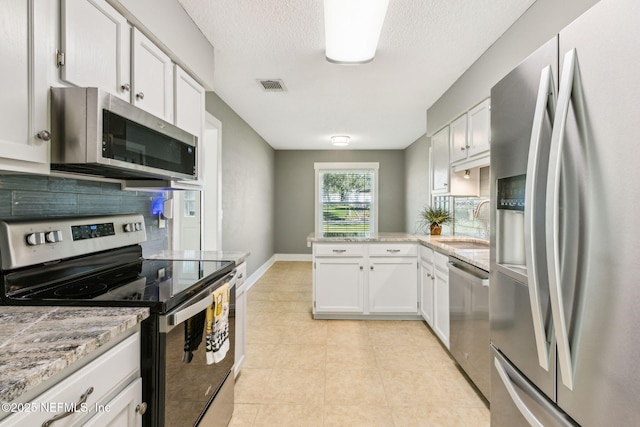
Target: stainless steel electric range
{"x":97,"y":261}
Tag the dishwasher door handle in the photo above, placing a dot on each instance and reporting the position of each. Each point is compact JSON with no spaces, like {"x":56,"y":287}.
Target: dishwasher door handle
{"x":476,"y":279}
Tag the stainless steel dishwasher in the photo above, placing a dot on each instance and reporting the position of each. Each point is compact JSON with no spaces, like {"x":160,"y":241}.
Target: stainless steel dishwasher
{"x":469,"y":321}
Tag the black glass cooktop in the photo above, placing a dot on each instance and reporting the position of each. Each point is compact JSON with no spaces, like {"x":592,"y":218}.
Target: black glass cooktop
{"x":118,"y":278}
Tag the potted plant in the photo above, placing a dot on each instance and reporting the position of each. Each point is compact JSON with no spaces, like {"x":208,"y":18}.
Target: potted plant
{"x":434,"y":218}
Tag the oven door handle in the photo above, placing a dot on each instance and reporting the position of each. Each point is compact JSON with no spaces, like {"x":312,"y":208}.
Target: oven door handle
{"x":196,"y":304}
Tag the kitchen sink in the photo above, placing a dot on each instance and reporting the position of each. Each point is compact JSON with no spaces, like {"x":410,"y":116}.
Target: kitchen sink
{"x":465,"y":244}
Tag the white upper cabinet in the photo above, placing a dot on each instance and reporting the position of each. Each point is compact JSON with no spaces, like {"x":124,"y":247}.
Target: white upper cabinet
{"x":96,"y":42}
{"x":189,"y":103}
{"x":440,"y":161}
{"x":458,"y":129}
{"x":24,"y":118}
{"x":152,"y":72}
{"x":479,"y":132}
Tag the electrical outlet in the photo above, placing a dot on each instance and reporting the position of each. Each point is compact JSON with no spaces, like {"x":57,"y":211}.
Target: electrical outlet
{"x":162,"y":223}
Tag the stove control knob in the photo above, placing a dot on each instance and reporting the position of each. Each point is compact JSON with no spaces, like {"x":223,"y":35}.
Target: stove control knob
{"x":138,"y":226}
{"x":34,"y":239}
{"x":128,"y":228}
{"x":53,"y":236}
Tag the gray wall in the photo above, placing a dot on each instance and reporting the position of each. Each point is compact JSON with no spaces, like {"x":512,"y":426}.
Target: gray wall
{"x":538,"y":24}
{"x":417,"y":180}
{"x":295,"y":181}
{"x":33,"y":196}
{"x":247,"y":186}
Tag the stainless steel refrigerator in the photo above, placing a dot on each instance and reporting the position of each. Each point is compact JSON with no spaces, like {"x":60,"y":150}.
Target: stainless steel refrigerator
{"x":565,"y":243}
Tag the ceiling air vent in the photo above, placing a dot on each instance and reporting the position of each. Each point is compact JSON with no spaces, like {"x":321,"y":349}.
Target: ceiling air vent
{"x":272,"y":85}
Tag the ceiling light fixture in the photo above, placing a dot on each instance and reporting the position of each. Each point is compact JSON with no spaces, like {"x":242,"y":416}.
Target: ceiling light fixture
{"x":352,"y":29}
{"x":467,"y":174}
{"x":340,"y":141}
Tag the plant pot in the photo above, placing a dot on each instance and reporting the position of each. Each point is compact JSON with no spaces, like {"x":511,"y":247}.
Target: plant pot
{"x":435,"y":229}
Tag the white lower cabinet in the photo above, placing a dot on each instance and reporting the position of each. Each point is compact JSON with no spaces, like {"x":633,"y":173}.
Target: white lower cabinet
{"x":353,"y":280}
{"x":427,"y":279}
{"x":441,"y":298}
{"x":105,"y":392}
{"x":393,"y":285}
{"x":241,"y":319}
{"x":339,"y":285}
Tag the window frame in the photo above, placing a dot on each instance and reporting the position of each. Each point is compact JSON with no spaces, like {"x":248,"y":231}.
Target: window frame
{"x":346,"y":167}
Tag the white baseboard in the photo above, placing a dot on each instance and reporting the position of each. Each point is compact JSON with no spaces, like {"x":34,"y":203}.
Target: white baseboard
{"x":294,"y":257}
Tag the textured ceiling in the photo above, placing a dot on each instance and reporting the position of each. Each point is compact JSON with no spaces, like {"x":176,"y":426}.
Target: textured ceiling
{"x":424,"y":47}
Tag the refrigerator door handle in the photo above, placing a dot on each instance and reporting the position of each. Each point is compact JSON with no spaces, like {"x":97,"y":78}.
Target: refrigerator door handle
{"x":569,"y":87}
{"x":546,"y":101}
{"x":522,"y":407}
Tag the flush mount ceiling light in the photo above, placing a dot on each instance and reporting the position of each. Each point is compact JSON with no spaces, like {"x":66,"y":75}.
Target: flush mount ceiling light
{"x":467,"y":174}
{"x":340,"y":141}
{"x":352,"y":29}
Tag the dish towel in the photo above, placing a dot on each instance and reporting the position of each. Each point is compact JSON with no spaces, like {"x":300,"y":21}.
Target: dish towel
{"x":193,"y":329}
{"x":217,"y":325}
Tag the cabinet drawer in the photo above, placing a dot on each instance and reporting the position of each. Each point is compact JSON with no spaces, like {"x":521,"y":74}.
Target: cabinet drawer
{"x":441,"y":261}
{"x":393,"y":249}
{"x":426,"y":253}
{"x":345,"y":249}
{"x":107,"y":374}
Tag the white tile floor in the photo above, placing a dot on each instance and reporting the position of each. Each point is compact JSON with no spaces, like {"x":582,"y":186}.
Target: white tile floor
{"x":305,"y":372}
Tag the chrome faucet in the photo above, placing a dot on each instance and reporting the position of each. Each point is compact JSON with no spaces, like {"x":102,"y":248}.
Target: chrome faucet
{"x":476,"y":211}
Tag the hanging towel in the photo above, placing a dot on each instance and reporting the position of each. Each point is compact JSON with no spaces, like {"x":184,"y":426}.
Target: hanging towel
{"x":193,"y":329}
{"x":217,"y":325}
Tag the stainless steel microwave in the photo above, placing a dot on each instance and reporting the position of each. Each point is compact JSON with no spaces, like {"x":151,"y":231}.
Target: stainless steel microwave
{"x":97,"y":133}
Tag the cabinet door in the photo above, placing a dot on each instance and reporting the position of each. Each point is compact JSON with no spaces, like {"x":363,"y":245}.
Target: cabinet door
{"x":393,"y":285}
{"x":441,"y":305}
{"x":152,"y":82}
{"x":426,"y":291}
{"x":121,"y":411}
{"x":458,"y":129}
{"x":25,"y":87}
{"x":241,"y":330}
{"x":440,"y":161}
{"x":479,"y":128}
{"x":339,"y":285}
{"x":96,"y":41}
{"x":189,"y":103}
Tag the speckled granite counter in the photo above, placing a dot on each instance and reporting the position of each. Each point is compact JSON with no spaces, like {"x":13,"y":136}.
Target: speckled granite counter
{"x":477,"y":257}
{"x":36,"y":343}
{"x":237,"y":257}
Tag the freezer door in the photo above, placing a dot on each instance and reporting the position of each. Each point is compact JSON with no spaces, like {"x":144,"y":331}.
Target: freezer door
{"x":515,"y":402}
{"x":599,"y":268}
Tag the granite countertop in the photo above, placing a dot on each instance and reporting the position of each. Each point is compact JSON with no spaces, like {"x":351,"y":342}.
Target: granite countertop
{"x":237,"y":257}
{"x":477,"y":257}
{"x":37,"y":343}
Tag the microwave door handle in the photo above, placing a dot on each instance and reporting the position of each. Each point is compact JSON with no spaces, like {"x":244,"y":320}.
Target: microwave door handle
{"x":545,"y":103}
{"x":569,"y":88}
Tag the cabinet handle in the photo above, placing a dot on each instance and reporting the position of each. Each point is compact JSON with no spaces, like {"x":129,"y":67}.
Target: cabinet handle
{"x":361,"y":268}
{"x":462,"y":148}
{"x":140,"y":95}
{"x":393,"y":251}
{"x":339,"y":251}
{"x":44,"y":135}
{"x":83,"y":399}
{"x":126,"y":87}
{"x":141,"y":408}
{"x":371,"y":268}
{"x":428,"y":274}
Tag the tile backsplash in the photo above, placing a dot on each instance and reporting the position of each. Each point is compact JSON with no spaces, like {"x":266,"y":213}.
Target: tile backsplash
{"x":29,"y":196}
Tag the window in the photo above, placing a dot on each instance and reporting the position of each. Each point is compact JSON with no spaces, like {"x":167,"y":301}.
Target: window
{"x":346,"y":199}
